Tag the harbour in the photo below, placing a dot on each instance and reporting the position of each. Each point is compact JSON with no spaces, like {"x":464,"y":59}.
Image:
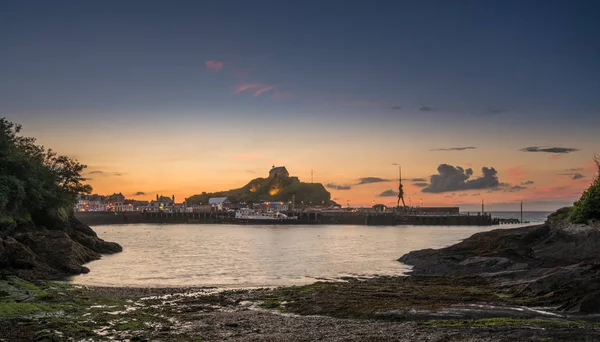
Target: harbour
{"x":367,"y":217}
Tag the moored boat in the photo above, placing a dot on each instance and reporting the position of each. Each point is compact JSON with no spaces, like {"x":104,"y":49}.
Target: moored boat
{"x":250,"y":216}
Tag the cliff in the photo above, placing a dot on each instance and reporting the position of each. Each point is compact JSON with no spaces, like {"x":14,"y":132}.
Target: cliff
{"x":271,"y":189}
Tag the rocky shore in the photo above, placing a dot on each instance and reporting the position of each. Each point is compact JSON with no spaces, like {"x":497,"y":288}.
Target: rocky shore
{"x":50,"y":252}
{"x":383,"y":309}
{"x":556,"y":264}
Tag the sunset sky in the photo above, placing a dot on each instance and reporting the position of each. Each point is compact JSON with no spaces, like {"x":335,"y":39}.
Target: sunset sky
{"x":180,"y":97}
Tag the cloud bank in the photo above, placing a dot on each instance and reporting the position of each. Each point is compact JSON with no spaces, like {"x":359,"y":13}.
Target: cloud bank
{"x":450,"y":178}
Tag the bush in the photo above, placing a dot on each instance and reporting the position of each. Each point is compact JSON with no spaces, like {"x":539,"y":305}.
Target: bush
{"x":588,"y":206}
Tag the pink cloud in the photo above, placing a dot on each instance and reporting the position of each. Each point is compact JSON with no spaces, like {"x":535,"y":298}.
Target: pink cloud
{"x":262,"y":90}
{"x":469,"y":164}
{"x":257,"y":88}
{"x":213,"y":65}
{"x":554,"y":157}
{"x":515,"y":174}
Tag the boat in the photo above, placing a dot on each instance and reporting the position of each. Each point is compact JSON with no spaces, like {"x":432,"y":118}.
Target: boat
{"x":251,"y":216}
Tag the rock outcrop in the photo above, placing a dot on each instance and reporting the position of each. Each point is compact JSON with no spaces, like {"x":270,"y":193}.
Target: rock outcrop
{"x":555,"y":264}
{"x":38,"y":252}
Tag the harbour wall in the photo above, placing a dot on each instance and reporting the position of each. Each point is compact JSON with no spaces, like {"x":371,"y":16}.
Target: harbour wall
{"x":344,"y":218}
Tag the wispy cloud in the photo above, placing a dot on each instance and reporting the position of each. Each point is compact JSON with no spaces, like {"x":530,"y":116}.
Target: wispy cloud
{"x":339,"y":186}
{"x":421,"y":184}
{"x":418,"y":180}
{"x":573,"y":175}
{"x":546,"y":149}
{"x":213,"y":65}
{"x":369,"y":180}
{"x":256,"y":88}
{"x":388,"y":193}
{"x":395,"y":108}
{"x":427,"y":109}
{"x":104,"y":173}
{"x":454,"y":148}
{"x":139,"y":193}
{"x":529,"y":182}
{"x":514,"y":188}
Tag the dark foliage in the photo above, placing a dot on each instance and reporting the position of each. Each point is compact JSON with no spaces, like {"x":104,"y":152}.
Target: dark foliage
{"x":36,"y":185}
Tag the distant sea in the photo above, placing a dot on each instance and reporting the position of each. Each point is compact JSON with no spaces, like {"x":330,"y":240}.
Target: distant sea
{"x":528,"y":216}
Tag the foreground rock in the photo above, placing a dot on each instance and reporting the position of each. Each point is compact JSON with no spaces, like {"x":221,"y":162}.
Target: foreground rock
{"x":59,"y":312}
{"x":37,"y":252}
{"x":555,"y":264}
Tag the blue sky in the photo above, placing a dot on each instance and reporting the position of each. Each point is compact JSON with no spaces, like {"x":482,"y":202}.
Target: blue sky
{"x":346,"y":73}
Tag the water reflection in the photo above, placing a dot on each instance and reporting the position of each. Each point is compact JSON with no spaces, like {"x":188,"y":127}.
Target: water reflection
{"x":235,"y":256}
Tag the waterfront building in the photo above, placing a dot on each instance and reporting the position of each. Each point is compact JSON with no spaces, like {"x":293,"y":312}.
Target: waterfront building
{"x":219,"y":203}
{"x":162,"y":203}
{"x":271,"y":206}
{"x":115,"y":202}
{"x":93,"y":202}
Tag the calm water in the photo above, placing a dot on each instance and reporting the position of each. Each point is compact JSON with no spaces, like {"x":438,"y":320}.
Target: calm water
{"x":238,"y":256}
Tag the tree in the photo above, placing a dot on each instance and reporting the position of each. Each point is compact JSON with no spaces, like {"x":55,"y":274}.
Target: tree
{"x":35,"y":183}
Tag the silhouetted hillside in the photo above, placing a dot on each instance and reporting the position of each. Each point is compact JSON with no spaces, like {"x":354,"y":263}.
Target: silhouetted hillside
{"x":271,"y":189}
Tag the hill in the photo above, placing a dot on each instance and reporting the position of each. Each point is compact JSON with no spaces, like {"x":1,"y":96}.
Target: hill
{"x":280,"y":189}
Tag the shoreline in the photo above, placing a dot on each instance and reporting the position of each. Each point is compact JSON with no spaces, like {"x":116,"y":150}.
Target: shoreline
{"x":388,"y":309}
